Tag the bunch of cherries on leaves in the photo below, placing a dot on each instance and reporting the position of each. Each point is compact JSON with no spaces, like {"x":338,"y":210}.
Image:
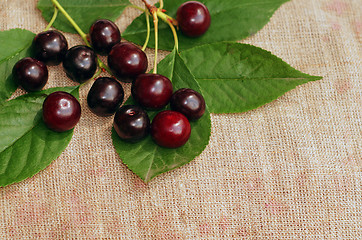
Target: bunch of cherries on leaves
{"x":128,"y":63}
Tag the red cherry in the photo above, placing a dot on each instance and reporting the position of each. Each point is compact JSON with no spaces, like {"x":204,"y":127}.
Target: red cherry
{"x":127,"y":61}
{"x":61,"y":111}
{"x":193,"y":18}
{"x":152,"y":91}
{"x":170,"y":129}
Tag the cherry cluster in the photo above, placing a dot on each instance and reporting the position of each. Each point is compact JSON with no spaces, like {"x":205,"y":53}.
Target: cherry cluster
{"x":128,"y":63}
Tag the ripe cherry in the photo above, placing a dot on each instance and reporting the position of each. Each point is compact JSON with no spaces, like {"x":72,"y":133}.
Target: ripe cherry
{"x":131,"y":123}
{"x":105,"y":96}
{"x":61,"y":111}
{"x":193,"y":18}
{"x":30,"y":74}
{"x":170,"y":129}
{"x":50,"y":47}
{"x":152,"y":91}
{"x":80,"y":63}
{"x":104,"y":34}
{"x":188,"y":102}
{"x":127,"y":61}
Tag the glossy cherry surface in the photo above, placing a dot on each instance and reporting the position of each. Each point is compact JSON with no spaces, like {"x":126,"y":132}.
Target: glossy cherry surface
{"x":193,"y":18}
{"x":104,"y":34}
{"x":152,"y":91}
{"x":80,"y":63}
{"x":105,"y":96}
{"x":170,"y":129}
{"x":30,"y":74}
{"x":188,"y":102}
{"x":131,"y":123}
{"x":61,"y":111}
{"x":127,"y":61}
{"x":50,"y":47}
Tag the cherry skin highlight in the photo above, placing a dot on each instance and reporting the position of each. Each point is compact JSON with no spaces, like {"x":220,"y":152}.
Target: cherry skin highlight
{"x":193,"y":18}
{"x":105,"y":96}
{"x":50,"y":47}
{"x":30,"y":74}
{"x":104,"y":34}
{"x":188,"y":102}
{"x":80,"y":63}
{"x":170,"y":129}
{"x":152,"y":91}
{"x":127,"y":61}
{"x":61,"y":111}
{"x":131,"y":123}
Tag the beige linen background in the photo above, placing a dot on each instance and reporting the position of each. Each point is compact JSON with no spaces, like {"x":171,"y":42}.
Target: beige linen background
{"x":288,"y":170}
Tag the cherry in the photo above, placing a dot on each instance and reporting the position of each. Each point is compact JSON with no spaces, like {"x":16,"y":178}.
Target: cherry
{"x":193,"y":18}
{"x":170,"y":129}
{"x":104,"y":34}
{"x":30,"y":74}
{"x":188,"y":102}
{"x":127,"y":61}
{"x":105,"y":96}
{"x":61,"y":111}
{"x":50,"y":47}
{"x":152,"y":91}
{"x":80,"y":63}
{"x":131,"y":123}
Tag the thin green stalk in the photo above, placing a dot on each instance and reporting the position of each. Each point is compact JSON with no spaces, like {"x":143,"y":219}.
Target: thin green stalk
{"x":174,"y":34}
{"x":155,"y":22}
{"x":70,"y":19}
{"x":55,"y":14}
{"x":137,"y":7}
{"x":148,"y":30}
{"x":161,"y":4}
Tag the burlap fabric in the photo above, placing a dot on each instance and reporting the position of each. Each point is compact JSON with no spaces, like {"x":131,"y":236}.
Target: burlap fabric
{"x":288,"y":170}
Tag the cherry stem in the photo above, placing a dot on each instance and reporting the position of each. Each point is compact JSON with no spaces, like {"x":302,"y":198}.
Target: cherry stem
{"x":80,"y":32}
{"x":137,"y":7}
{"x":155,"y":23}
{"x":170,"y":22}
{"x":161,"y":4}
{"x":148,"y":30}
{"x":55,"y":14}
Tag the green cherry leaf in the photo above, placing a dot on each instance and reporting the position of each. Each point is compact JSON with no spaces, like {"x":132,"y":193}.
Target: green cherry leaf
{"x":145,"y":158}
{"x":84,"y":12}
{"x":237,"y":77}
{"x":15,"y":45}
{"x":231,"y":20}
{"x":27,"y":146}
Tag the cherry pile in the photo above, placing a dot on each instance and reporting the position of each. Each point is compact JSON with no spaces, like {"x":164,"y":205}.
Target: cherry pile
{"x":128,"y":64}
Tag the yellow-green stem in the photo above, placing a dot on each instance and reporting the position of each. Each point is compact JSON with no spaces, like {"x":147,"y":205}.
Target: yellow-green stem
{"x":155,"y":22}
{"x":70,"y":19}
{"x":148,"y":30}
{"x":174,"y":34}
{"x":161,"y":4}
{"x":52,"y":20}
{"x":137,"y":7}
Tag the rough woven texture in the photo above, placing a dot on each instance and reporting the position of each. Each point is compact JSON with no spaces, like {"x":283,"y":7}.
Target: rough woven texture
{"x":287,"y":170}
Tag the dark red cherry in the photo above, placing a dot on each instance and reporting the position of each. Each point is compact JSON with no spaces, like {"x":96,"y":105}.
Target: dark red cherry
{"x":80,"y":63}
{"x":193,"y":18}
{"x":152,"y":91}
{"x":61,"y":111}
{"x":50,"y":47}
{"x":127,"y":61}
{"x":30,"y":74}
{"x":170,"y":129}
{"x":188,"y":102}
{"x":105,"y":96}
{"x":131,"y":123}
{"x":104,"y":34}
